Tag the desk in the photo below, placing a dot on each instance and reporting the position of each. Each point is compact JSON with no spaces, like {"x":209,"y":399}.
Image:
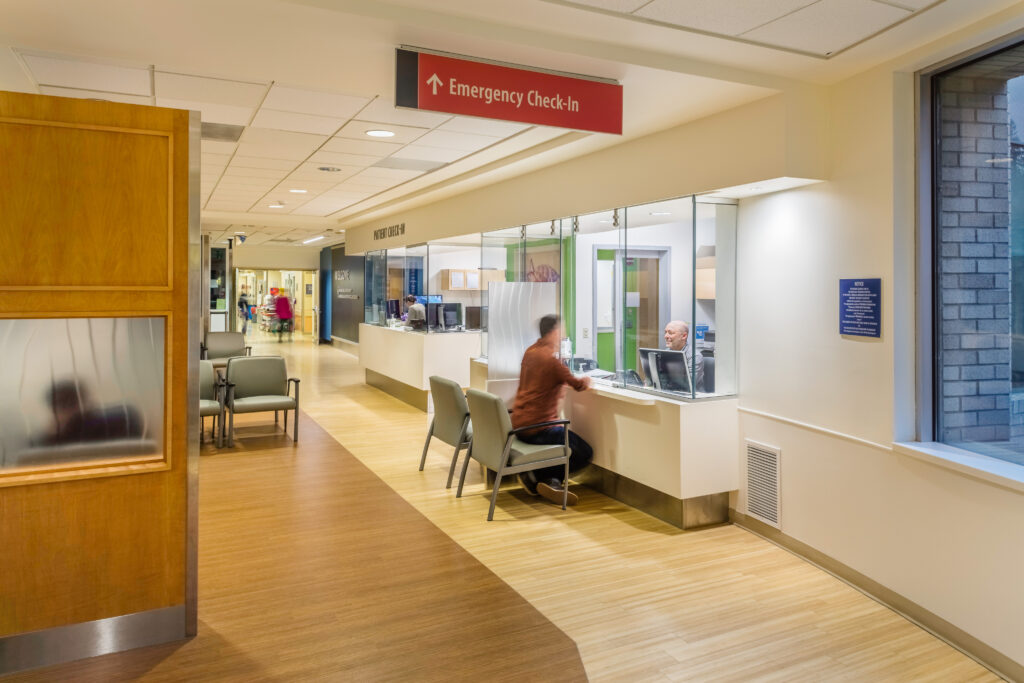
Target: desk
{"x":401,"y":362}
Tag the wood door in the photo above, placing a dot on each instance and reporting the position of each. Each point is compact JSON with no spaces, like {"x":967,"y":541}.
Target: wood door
{"x":94,"y":224}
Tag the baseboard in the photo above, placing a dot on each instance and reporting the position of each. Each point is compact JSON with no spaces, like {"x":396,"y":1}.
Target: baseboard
{"x":91,"y":639}
{"x":417,"y":398}
{"x":689,"y":513}
{"x":992,"y":659}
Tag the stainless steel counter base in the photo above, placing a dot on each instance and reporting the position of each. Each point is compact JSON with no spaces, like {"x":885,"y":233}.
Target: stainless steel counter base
{"x":691,"y":513}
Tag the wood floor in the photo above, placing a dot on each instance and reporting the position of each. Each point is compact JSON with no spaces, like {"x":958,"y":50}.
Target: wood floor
{"x":641,"y":600}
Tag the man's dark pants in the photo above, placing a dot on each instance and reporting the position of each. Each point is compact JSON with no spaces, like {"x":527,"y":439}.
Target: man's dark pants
{"x":580,"y":452}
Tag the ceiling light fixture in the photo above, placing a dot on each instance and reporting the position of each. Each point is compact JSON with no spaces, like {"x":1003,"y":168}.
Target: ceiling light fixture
{"x":661,"y":213}
{"x":380,"y":133}
{"x":239,"y":232}
{"x":276,"y":205}
{"x":604,"y":221}
{"x":329,"y":169}
{"x":319,"y":237}
{"x":297,"y":191}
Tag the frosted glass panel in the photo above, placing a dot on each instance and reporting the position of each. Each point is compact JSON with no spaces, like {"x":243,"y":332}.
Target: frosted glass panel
{"x":80,"y":389}
{"x":515,"y":311}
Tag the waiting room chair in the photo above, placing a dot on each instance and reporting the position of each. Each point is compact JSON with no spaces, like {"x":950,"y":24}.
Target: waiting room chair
{"x":211,"y":401}
{"x":496,"y":446}
{"x":259,"y":384}
{"x":451,"y":422}
{"x":219,"y":346}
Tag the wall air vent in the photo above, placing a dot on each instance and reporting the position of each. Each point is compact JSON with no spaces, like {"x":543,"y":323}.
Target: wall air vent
{"x":763,"y":482}
{"x":221,"y":132}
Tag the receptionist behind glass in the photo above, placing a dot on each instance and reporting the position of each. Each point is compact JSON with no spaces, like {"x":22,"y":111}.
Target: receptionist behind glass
{"x":417,"y":314}
{"x":677,"y":334}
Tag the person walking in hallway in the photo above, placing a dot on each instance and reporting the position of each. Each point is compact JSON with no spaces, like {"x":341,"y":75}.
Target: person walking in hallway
{"x":676,"y":335}
{"x":542,"y":382}
{"x":243,"y":309}
{"x":283,"y":308}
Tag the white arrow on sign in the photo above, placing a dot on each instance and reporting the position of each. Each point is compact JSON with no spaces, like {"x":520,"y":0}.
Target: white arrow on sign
{"x":434,"y":81}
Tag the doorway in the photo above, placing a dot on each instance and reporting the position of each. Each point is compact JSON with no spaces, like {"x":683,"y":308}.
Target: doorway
{"x":262,"y":286}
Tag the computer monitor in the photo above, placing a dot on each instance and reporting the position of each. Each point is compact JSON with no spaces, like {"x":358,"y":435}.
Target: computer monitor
{"x":432,"y":315}
{"x":428,"y":299}
{"x":394,"y":308}
{"x":451,"y":317}
{"x":666,"y":370}
{"x":473,"y":317}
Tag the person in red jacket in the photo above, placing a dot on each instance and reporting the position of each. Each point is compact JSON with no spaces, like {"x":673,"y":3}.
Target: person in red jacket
{"x":283,"y":309}
{"x":542,"y":382}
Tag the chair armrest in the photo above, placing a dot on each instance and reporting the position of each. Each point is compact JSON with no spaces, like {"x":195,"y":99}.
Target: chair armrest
{"x":296,"y":380}
{"x":248,"y":350}
{"x":550,"y":423}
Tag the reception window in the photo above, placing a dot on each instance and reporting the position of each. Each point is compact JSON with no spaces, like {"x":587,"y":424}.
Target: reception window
{"x":978,"y":255}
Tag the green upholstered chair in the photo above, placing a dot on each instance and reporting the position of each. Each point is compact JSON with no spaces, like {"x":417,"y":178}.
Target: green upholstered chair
{"x":451,"y":422}
{"x":211,"y":401}
{"x":496,"y":446}
{"x":219,"y":346}
{"x":259,"y":384}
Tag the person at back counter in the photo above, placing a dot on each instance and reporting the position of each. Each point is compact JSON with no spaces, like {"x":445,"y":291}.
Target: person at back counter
{"x":417,"y":314}
{"x":542,"y":382}
{"x":677,"y":334}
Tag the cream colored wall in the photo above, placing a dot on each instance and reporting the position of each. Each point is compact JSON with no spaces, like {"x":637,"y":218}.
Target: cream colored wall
{"x":278,"y":258}
{"x":777,"y":136}
{"x":951,"y":543}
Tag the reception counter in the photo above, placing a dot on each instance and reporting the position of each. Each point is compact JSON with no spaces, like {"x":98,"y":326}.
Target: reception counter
{"x":677,"y":460}
{"x":401,"y":361}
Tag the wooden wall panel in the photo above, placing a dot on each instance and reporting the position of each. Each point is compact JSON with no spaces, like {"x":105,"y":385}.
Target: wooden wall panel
{"x":107,"y":209}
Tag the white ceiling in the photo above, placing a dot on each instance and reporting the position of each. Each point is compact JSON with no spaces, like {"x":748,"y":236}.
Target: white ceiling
{"x":307,"y":78}
{"x":821,"y":28}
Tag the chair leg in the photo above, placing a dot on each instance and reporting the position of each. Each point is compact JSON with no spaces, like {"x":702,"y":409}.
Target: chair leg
{"x":465,"y":466}
{"x":295,"y":418}
{"x":565,"y":481}
{"x":286,"y":422}
{"x":218,"y":424}
{"x":231,"y":430}
{"x":426,"y":445}
{"x":494,"y":495}
{"x":275,"y":418}
{"x":202,"y":429}
{"x":451,"y":468}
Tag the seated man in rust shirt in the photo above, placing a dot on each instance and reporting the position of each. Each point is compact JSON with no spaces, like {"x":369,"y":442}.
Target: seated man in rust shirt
{"x":542,"y":381}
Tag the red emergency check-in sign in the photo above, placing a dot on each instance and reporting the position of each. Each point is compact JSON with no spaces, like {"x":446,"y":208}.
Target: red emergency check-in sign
{"x":462,"y":86}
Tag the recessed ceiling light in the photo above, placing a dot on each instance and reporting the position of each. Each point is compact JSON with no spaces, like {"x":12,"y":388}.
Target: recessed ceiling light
{"x":329,"y":169}
{"x":999,"y":160}
{"x":297,"y":191}
{"x":604,"y":221}
{"x":380,"y":133}
{"x":276,"y":205}
{"x":661,"y":213}
{"x":239,"y":232}
{"x":314,"y":239}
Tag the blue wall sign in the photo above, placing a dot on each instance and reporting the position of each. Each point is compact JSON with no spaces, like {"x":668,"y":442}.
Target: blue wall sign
{"x":860,"y":307}
{"x":698,"y":333}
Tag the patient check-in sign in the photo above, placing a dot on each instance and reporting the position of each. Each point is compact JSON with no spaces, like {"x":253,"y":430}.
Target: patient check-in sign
{"x":463,"y":86}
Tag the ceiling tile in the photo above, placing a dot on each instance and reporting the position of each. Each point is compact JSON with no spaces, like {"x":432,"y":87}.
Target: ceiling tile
{"x":322,"y":207}
{"x":211,"y":113}
{"x":383,"y":109}
{"x":409,"y":164}
{"x":466,"y":124}
{"x":423,"y":153}
{"x":911,"y":4}
{"x":402,"y":134}
{"x":396,"y":174}
{"x":461,"y":141}
{"x":262,"y":162}
{"x":302,"y":101}
{"x":215,"y":159}
{"x":727,"y":17}
{"x":613,"y":5}
{"x":278,"y":144}
{"x":303,"y":123}
{"x":311,"y":171}
{"x":366,"y":147}
{"x":95,"y":95}
{"x":242,"y":172}
{"x":74,"y":73}
{"x":828,"y":25}
{"x":360,"y":182}
{"x":213,"y":90}
{"x":217,"y":147}
{"x":342,"y":159}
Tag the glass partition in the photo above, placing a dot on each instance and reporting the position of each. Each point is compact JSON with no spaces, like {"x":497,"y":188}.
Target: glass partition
{"x":454,"y":284}
{"x":500,"y":261}
{"x":375,"y":284}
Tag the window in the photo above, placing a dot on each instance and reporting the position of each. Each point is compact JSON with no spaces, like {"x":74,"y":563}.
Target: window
{"x":978,"y":255}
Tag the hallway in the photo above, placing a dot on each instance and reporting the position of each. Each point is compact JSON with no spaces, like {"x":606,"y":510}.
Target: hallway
{"x":642,"y":600}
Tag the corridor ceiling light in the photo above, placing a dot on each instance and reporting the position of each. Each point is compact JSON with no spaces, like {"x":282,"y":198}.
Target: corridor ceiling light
{"x":297,"y":191}
{"x":661,"y":213}
{"x":314,"y":239}
{"x":998,"y":160}
{"x":239,"y":232}
{"x":329,"y":169}
{"x":276,"y":205}
{"x":380,"y":133}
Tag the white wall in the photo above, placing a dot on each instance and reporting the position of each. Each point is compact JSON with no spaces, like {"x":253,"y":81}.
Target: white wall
{"x":276,"y":258}
{"x":951,"y":543}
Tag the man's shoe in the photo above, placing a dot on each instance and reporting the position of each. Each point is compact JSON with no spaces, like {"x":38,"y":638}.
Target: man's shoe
{"x":529,"y":482}
{"x":553,"y":492}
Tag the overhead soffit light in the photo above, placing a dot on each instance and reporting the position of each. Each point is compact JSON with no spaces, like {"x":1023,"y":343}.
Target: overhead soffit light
{"x":380,"y":133}
{"x":661,"y":213}
{"x":298,"y":191}
{"x":329,"y":169}
{"x":314,"y":239}
{"x":276,"y":205}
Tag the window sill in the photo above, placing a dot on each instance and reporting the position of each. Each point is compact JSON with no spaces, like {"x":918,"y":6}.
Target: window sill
{"x":992,"y":470}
